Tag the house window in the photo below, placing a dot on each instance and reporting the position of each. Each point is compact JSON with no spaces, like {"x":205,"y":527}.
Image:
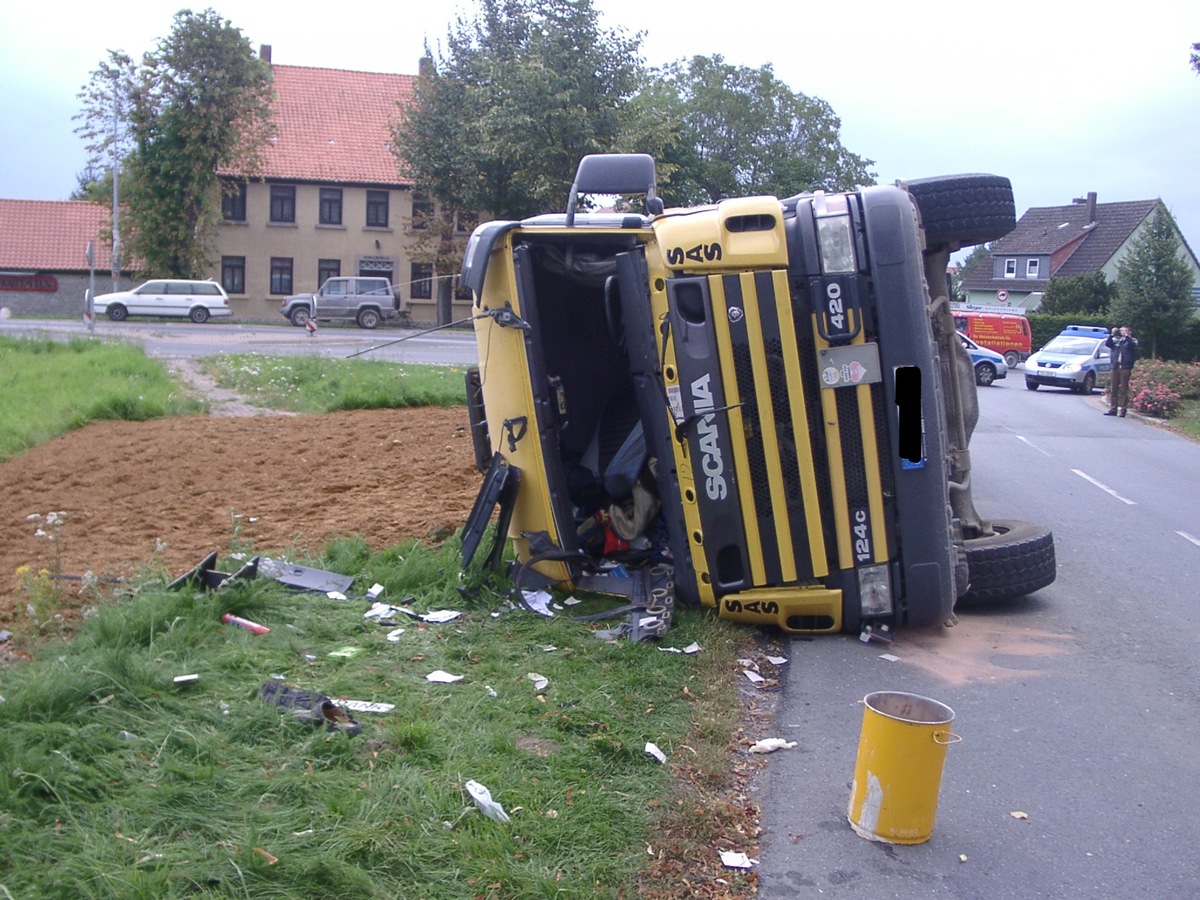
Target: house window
{"x":233,"y":274}
{"x":331,"y":206}
{"x":467,"y":222}
{"x":422,"y":211}
{"x":422,"y":281}
{"x":1031,"y":268}
{"x":377,"y":209}
{"x":1010,"y":268}
{"x":281,"y":274}
{"x":283,"y":203}
{"x":326,"y":269}
{"x":233,"y":202}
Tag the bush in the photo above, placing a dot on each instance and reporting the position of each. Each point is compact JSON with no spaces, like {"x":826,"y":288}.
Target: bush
{"x":1182,"y":378}
{"x":1156,"y":400}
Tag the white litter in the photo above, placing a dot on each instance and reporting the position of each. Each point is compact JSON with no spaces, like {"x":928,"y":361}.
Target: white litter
{"x":335,"y":595}
{"x":441,"y":677}
{"x":770,"y":745}
{"x":540,"y":682}
{"x":652,"y":750}
{"x":375,"y":591}
{"x":777,"y":660}
{"x":438,"y":616}
{"x":381,"y":611}
{"x":539,"y":602}
{"x":572,"y":601}
{"x":394,"y":635}
{"x":490,"y":690}
{"x":753,"y":676}
{"x":483,"y":799}
{"x":549,"y":648}
{"x":365,"y":706}
{"x":890,"y":657}
{"x":669,"y":650}
{"x":691,"y":648}
{"x":735,"y":859}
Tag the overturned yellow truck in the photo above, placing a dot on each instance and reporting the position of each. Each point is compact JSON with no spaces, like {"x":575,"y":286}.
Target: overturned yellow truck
{"x":759,"y":405}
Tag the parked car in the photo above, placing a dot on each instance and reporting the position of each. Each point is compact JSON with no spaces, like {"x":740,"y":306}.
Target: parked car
{"x":365,"y":300}
{"x":195,"y":300}
{"x":989,"y":365}
{"x":1075,"y":359}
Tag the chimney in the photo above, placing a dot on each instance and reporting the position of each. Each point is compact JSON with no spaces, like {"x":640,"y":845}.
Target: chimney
{"x":264,"y":52}
{"x":1091,"y":207}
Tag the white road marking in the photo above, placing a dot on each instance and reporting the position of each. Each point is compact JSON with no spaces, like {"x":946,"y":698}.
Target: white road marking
{"x":1032,"y":444}
{"x":1086,"y":477}
{"x":1189,"y":537}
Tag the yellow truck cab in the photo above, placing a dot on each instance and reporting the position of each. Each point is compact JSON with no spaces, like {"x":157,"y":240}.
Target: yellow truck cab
{"x":753,"y":405}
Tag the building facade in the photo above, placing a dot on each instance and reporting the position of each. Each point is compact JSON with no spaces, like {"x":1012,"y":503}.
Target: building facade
{"x":332,"y":199}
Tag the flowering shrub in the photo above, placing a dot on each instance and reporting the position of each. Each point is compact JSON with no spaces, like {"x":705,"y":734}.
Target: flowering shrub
{"x":1182,"y":378}
{"x":1157,"y":400}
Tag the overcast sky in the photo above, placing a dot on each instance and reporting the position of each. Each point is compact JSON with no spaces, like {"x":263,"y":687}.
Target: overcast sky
{"x":1062,"y":97}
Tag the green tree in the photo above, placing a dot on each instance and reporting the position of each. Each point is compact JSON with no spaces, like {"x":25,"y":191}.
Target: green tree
{"x":523,"y":90}
{"x":1154,"y":283}
{"x":199,"y":104}
{"x":981,"y":254}
{"x":1090,"y":295}
{"x":741,"y":131}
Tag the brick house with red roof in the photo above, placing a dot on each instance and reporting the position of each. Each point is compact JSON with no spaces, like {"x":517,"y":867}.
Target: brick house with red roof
{"x":1059,"y":242}
{"x":331,"y":198}
{"x":43,"y":255}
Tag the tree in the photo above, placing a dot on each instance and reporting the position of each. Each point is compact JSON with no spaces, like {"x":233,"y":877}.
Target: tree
{"x":981,"y":254}
{"x":1196,"y":57}
{"x":197,"y":105}
{"x":524,"y":90}
{"x":742,"y":131}
{"x":1089,"y":295}
{"x":1154,"y":283}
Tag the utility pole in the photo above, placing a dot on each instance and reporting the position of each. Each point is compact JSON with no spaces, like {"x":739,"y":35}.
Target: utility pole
{"x":116,"y":228}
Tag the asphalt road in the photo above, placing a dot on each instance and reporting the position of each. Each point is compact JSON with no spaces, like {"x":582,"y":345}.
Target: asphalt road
{"x":167,"y":339}
{"x":1078,"y":707}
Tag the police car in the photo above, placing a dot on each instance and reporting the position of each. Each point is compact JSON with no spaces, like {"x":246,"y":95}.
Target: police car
{"x":1076,"y":359}
{"x":989,"y":365}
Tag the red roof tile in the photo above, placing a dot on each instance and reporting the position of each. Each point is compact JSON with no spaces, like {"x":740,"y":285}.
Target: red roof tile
{"x":52,"y":235}
{"x":332,"y":125}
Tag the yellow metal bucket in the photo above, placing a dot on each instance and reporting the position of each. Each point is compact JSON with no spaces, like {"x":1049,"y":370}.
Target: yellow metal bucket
{"x":899,"y":768}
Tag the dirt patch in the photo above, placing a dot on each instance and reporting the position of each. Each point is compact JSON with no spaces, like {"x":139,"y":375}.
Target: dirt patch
{"x":170,"y":491}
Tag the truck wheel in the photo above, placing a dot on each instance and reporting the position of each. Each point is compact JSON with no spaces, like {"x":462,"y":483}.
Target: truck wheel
{"x":299,"y":316}
{"x":1017,"y":560}
{"x":368,"y":318}
{"x":964,"y":209}
{"x":1011,"y":358}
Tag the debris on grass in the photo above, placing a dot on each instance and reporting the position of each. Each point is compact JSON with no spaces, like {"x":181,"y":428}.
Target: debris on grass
{"x":441,"y":677}
{"x":735,"y":859}
{"x":652,"y":750}
{"x":540,"y":682}
{"x":483,"y":799}
{"x":770,"y":745}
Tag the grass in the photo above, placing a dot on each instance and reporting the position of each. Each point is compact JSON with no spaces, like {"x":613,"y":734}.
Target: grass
{"x":115,"y":781}
{"x":310,"y":385}
{"x":49,"y":387}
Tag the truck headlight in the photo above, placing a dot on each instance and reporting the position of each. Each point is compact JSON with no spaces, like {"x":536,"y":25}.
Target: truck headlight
{"x":874,"y":591}
{"x":834,"y":234}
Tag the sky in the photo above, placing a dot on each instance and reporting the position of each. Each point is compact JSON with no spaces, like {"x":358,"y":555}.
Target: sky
{"x":1061,"y":97}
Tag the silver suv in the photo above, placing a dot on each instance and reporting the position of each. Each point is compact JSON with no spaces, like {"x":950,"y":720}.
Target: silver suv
{"x":365,"y":300}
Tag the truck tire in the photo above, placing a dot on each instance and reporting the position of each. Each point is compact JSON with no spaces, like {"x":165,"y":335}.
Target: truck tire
{"x":1017,"y":560}
{"x":964,"y":209}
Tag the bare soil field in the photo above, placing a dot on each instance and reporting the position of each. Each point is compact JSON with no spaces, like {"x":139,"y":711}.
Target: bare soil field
{"x":166,"y":493}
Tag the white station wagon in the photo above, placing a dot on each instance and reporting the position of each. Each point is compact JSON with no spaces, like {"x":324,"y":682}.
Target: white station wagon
{"x":196,"y":300}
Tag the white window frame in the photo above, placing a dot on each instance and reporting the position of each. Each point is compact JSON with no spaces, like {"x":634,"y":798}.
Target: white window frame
{"x":1010,"y":268}
{"x":1031,"y":268}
